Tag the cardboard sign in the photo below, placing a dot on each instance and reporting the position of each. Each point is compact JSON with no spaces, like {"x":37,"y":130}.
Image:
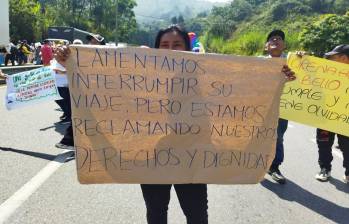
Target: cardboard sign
{"x":160,"y":117}
{"x":320,"y":95}
{"x":31,"y":87}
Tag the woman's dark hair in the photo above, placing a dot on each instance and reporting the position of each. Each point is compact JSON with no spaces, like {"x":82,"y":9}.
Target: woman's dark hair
{"x":170,"y":29}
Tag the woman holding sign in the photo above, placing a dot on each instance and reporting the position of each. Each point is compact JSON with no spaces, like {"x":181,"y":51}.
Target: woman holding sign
{"x":192,"y":197}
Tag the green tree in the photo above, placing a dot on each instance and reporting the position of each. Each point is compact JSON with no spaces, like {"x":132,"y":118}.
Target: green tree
{"x":224,"y":20}
{"x":325,"y":34}
{"x":174,"y":20}
{"x":180,"y":20}
{"x":221,"y":27}
{"x":341,"y":6}
{"x":24,"y":20}
{"x":197,"y":25}
{"x":282,"y":9}
{"x":240,"y":9}
{"x":94,"y":16}
{"x":256,"y":2}
{"x":321,"y":6}
{"x":236,"y":11}
{"x":127,"y":23}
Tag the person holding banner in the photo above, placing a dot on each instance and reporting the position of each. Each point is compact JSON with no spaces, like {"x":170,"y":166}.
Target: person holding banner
{"x":62,"y":85}
{"x":325,"y":139}
{"x":275,"y":47}
{"x":61,"y":55}
{"x":192,"y":197}
{"x":58,"y":65}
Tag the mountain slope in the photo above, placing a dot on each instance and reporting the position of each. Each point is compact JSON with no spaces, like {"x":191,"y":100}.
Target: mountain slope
{"x":241,"y":27}
{"x":150,"y":10}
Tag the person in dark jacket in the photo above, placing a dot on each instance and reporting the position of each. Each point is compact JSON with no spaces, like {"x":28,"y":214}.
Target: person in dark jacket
{"x":324,"y":138}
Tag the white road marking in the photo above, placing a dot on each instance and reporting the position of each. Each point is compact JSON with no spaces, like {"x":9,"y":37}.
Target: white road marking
{"x":290,"y":125}
{"x":335,"y":151}
{"x":17,"y":199}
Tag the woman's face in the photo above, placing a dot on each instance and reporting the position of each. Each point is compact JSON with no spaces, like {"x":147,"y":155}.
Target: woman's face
{"x":172,"y":41}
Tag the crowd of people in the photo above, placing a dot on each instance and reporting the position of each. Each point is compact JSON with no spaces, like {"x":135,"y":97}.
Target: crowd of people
{"x":193,"y":197}
{"x":40,"y":53}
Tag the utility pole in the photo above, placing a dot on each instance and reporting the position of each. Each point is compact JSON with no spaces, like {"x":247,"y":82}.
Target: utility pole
{"x":116,"y":21}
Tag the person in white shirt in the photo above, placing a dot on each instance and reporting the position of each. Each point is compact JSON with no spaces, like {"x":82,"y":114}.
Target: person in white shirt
{"x":62,"y":85}
{"x":10,"y":54}
{"x":61,"y":54}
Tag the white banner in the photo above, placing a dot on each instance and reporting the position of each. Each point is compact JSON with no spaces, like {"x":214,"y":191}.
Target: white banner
{"x":31,"y":87}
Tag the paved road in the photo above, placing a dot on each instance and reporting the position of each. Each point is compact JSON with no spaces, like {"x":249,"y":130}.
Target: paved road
{"x":38,"y":187}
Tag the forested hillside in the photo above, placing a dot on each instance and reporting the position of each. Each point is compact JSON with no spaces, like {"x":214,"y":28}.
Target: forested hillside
{"x":241,"y":27}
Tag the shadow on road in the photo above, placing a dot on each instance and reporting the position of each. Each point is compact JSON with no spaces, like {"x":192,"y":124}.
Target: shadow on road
{"x":339,"y":185}
{"x":293,"y":192}
{"x":59,"y":127}
{"x":30,"y":153}
{"x":70,"y":154}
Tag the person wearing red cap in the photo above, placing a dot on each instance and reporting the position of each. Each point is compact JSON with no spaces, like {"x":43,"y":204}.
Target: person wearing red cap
{"x":325,"y":139}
